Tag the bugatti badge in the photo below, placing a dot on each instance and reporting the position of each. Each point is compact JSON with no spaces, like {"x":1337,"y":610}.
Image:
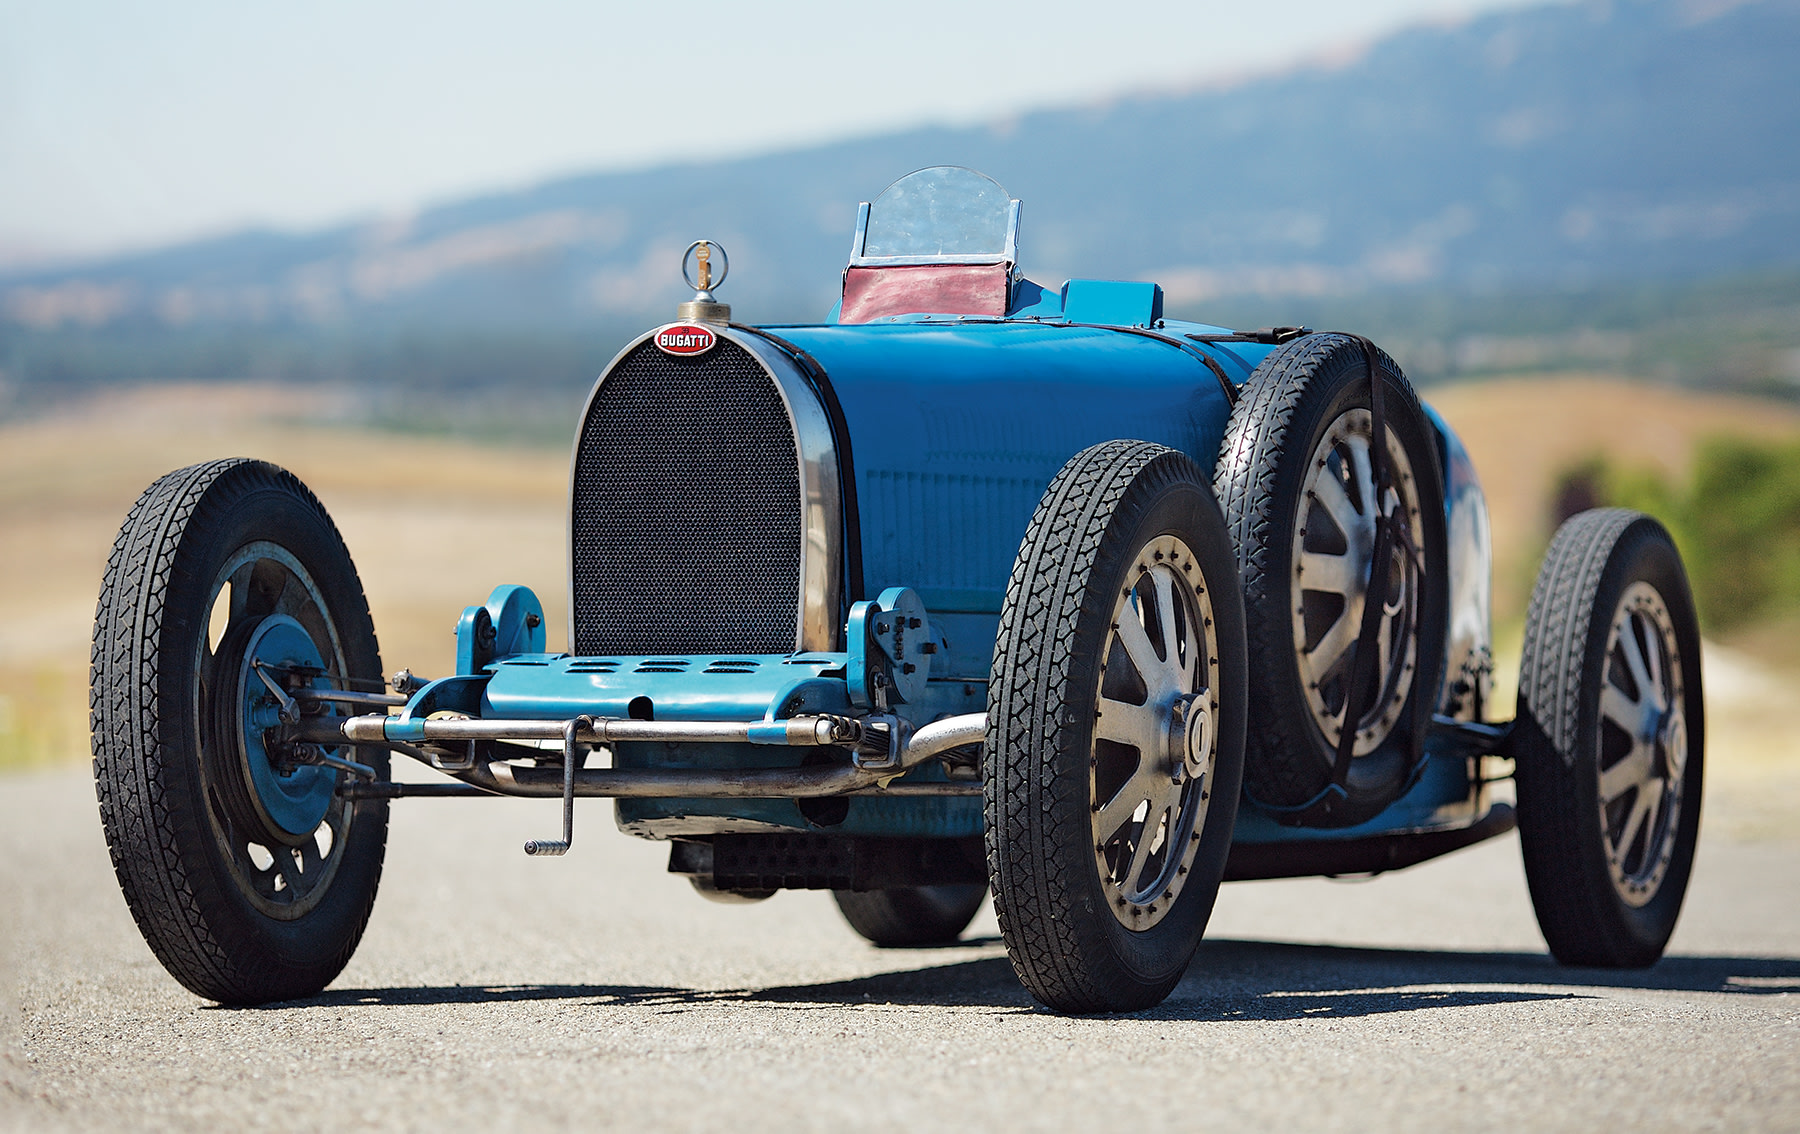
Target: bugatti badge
{"x":685,"y":339}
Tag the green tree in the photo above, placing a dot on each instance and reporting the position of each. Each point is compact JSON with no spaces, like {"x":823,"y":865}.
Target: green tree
{"x":1736,"y":520}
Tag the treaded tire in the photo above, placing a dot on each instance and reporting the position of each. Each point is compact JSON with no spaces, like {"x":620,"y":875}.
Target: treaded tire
{"x":162,"y":778}
{"x":1594,"y":572}
{"x":1065,"y":942}
{"x":911,"y":915}
{"x":1287,"y":407}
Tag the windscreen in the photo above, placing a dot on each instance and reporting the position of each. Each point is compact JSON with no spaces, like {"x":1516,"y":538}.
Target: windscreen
{"x":946,"y":210}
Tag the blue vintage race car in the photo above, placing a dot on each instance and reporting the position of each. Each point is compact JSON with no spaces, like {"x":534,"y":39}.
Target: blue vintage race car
{"x":977,"y":585}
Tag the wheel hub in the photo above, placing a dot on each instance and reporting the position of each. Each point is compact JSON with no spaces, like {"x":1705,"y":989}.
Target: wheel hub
{"x":1190,"y":737}
{"x":289,"y":801}
{"x":1672,"y":745}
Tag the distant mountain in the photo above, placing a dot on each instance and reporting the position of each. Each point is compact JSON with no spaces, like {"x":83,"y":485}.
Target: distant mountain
{"x":1632,"y":140}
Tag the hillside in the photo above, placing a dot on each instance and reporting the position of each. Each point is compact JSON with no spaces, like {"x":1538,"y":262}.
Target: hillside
{"x":1562,"y":147}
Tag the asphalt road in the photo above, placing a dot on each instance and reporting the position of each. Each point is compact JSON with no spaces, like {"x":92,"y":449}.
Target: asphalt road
{"x":498,"y":992}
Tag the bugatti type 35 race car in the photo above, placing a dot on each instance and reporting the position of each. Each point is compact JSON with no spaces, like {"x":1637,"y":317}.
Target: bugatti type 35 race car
{"x":974,"y":586}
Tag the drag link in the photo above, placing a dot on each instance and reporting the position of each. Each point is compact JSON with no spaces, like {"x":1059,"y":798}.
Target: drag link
{"x":347,"y":697}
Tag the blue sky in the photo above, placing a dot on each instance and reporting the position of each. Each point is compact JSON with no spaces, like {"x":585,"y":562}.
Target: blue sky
{"x":126,"y":124}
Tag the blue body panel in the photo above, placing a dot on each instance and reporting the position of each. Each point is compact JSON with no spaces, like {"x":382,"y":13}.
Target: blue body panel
{"x":737,"y":688}
{"x":956,"y":426}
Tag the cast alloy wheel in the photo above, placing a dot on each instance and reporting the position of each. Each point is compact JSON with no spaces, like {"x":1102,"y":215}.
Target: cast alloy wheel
{"x":1155,"y":736}
{"x":1643,"y":744}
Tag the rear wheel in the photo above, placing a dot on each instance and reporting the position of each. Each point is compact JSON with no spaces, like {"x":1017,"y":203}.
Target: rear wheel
{"x":1610,"y":740}
{"x":1115,"y":730}
{"x":911,"y":915}
{"x":249,"y":877}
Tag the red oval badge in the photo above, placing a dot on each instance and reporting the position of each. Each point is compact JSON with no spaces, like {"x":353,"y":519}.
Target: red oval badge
{"x":685,"y":338}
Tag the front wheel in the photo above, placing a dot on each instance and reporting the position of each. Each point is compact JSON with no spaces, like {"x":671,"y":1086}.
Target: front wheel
{"x":1115,"y":739}
{"x":1609,"y":740}
{"x":229,"y":590}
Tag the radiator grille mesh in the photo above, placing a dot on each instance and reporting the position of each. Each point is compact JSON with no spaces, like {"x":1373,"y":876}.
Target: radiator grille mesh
{"x":686,"y":516}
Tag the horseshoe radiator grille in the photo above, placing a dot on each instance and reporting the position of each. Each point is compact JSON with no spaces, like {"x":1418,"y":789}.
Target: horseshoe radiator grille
{"x":685,"y":512}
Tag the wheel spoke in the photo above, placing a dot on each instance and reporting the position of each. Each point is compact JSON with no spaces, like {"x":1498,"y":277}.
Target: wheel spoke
{"x":209,"y":673}
{"x":290,"y":873}
{"x":1621,"y":710}
{"x":311,"y":861}
{"x":239,"y":582}
{"x":1136,"y":725}
{"x":1364,"y":473}
{"x":1634,"y":661}
{"x":1336,"y":574}
{"x":1641,"y":809}
{"x":1141,"y":787}
{"x":1384,"y":644}
{"x":1140,"y":854}
{"x":262,"y":588}
{"x":1140,"y":651}
{"x":1653,"y":663}
{"x":1652,"y":798}
{"x":1337,"y":504}
{"x":1165,"y":613}
{"x":1632,"y":771}
{"x":1324,"y":656}
{"x":1187,"y":675}
{"x":293,"y":601}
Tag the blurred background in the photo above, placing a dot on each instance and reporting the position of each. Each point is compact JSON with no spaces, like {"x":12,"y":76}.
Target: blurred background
{"x":389,"y":245}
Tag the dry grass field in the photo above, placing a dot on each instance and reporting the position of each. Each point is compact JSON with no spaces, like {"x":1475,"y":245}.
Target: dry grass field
{"x":434,"y":523}
{"x":1522,"y":432}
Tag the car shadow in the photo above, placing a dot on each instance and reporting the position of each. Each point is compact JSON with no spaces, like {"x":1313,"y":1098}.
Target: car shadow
{"x":1260,"y":980}
{"x":1229,"y":981}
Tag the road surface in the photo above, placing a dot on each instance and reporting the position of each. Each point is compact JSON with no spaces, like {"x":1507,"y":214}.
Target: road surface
{"x":499,"y":992}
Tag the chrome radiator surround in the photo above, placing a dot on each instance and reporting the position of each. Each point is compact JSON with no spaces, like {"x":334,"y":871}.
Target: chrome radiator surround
{"x":617,"y":549}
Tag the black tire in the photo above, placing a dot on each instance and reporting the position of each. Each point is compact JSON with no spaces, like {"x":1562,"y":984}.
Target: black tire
{"x":1308,"y":398}
{"x":705,"y":888}
{"x":1611,"y":620}
{"x":202,"y":868}
{"x":1065,"y":880}
{"x":911,"y":915}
